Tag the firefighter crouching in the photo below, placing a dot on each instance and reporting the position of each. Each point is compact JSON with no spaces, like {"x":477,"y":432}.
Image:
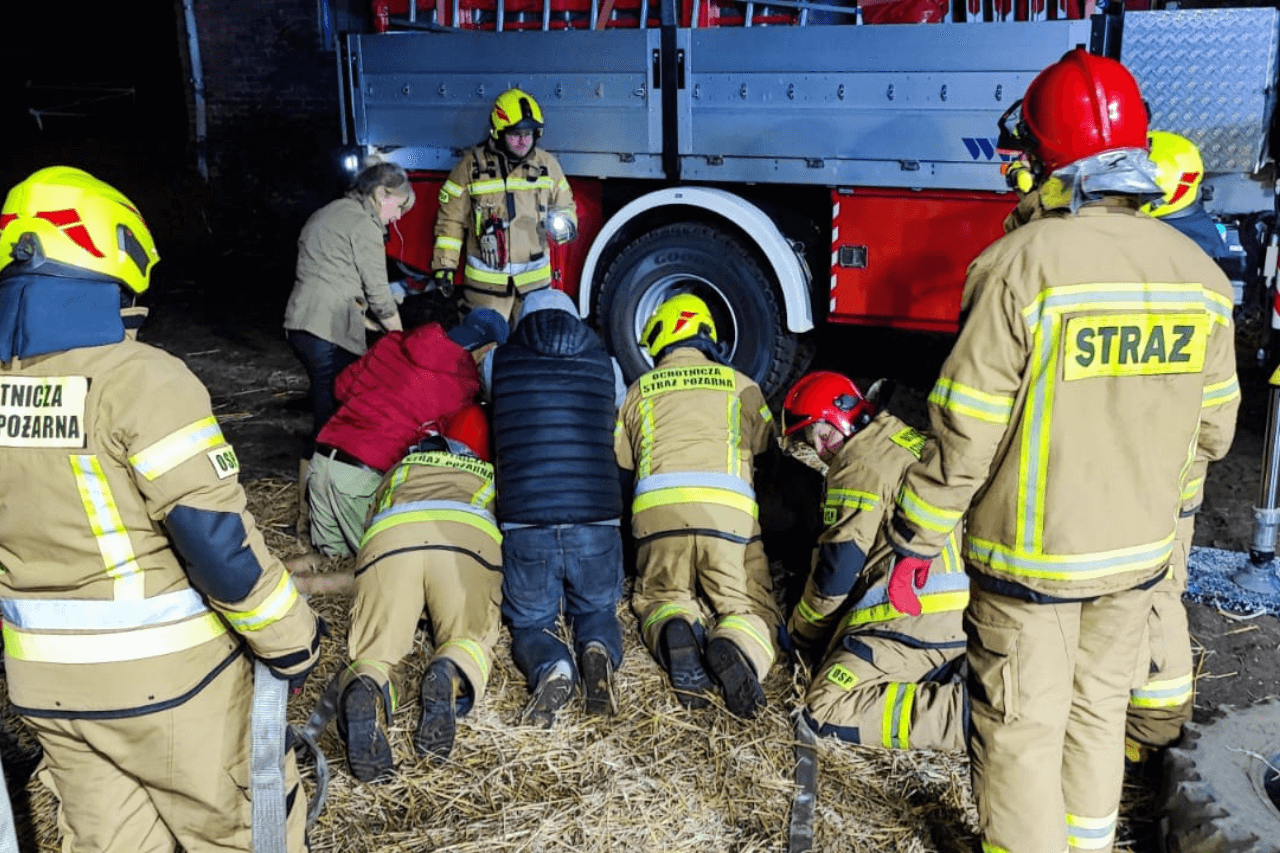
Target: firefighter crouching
{"x":499,"y":207}
{"x":432,"y":543}
{"x":887,"y":679}
{"x":690,"y":429}
{"x":137,"y":590}
{"x":1094,"y":369}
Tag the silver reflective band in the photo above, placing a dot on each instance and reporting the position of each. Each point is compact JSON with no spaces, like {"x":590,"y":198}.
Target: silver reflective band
{"x":52,"y":614}
{"x":695,"y":480}
{"x":266,"y":771}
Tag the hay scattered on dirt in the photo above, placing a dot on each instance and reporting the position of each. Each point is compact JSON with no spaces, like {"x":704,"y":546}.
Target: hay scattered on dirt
{"x":653,"y":778}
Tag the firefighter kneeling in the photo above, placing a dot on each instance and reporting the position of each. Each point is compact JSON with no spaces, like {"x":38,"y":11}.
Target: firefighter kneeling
{"x":887,"y":679}
{"x":432,"y":541}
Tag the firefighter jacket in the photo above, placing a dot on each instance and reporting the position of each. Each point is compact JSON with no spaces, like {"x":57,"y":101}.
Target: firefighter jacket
{"x":690,"y":429}
{"x":133,"y":572}
{"x":1094,"y":368}
{"x":406,"y":384}
{"x":494,"y":211}
{"x":341,"y":274}
{"x":854,"y":557}
{"x":443,"y":485}
{"x":554,"y":410}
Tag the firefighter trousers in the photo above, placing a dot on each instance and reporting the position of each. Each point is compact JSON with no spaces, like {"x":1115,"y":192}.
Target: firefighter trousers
{"x":1160,"y":703}
{"x":734,"y":577}
{"x":1048,"y":689}
{"x":146,"y":784}
{"x":458,"y":584}
{"x":898,"y":685}
{"x":506,"y":304}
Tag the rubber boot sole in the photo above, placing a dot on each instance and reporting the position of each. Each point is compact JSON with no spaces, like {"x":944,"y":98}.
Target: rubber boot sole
{"x":368,"y":751}
{"x":597,"y":682}
{"x":437,"y":721}
{"x":684,"y":665}
{"x":549,"y":696}
{"x":743,"y":695}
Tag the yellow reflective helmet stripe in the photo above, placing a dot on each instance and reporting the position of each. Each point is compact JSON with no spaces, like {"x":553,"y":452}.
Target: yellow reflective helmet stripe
{"x":960,"y":399}
{"x":695,"y":494}
{"x":177,"y":447}
{"x":270,"y":611}
{"x":135,"y":644}
{"x":109,"y":532}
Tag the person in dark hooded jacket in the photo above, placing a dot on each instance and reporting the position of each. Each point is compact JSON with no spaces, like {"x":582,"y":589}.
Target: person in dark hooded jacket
{"x":555,"y":394}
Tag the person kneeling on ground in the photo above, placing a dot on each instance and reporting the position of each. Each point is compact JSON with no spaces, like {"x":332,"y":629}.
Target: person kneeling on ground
{"x":888,"y":678}
{"x":404,"y":384}
{"x":432,"y":542}
{"x":555,"y":401}
{"x":691,"y":429}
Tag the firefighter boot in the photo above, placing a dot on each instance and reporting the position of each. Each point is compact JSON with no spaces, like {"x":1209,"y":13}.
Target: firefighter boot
{"x":368,"y":750}
{"x":684,"y":664}
{"x":437,"y":721}
{"x":742,"y":693}
{"x":302,"y":527}
{"x":597,"y":680}
{"x":549,"y":696}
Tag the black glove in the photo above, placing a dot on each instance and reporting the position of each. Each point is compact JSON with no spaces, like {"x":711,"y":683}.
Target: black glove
{"x":444,"y":282}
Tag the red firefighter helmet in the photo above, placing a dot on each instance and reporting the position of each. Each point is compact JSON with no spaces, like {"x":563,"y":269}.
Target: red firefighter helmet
{"x":1080,"y":106}
{"x":470,"y":426}
{"x":826,"y":396}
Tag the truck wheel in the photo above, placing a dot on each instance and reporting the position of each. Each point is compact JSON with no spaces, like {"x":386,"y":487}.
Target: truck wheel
{"x":719,"y":268}
{"x":1220,"y":795}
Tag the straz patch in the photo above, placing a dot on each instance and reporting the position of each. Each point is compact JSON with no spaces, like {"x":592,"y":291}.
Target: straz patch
{"x":841,"y":677}
{"x":43,"y":411}
{"x":1134,"y":345}
{"x":440,"y":459}
{"x":225,"y":462}
{"x":713,"y":377}
{"x":910,"y":439}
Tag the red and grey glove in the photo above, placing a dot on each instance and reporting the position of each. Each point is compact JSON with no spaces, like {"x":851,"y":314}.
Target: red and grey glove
{"x":909,"y":574}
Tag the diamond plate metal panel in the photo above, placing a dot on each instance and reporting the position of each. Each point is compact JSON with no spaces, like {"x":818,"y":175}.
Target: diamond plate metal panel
{"x":1210,"y":75}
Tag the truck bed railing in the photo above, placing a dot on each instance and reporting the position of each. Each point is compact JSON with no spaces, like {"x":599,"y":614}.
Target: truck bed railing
{"x":546,"y":15}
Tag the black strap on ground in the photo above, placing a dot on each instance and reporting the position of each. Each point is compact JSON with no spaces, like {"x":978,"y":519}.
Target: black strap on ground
{"x":800,"y":836}
{"x":309,"y":736}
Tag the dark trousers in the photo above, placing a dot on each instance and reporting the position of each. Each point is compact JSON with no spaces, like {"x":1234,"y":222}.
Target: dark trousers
{"x":323,"y":361}
{"x":576,"y":568}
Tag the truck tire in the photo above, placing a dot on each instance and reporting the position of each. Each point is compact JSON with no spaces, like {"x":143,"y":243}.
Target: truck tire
{"x":1219,"y":794}
{"x":719,"y":268}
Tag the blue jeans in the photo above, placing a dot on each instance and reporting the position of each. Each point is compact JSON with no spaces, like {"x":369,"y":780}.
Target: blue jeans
{"x":323,"y":361}
{"x":574,"y":567}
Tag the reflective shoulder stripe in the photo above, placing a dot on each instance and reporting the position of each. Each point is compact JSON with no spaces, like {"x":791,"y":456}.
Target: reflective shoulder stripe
{"x":452,"y":188}
{"x":1091,"y":833}
{"x":177,"y":447}
{"x":60,"y":614}
{"x":272,"y":608}
{"x":920,"y":512}
{"x":1220,"y":393}
{"x":137,"y":644}
{"x":433,"y":511}
{"x":695,"y":495}
{"x":449,"y":244}
{"x":109,"y":532}
{"x":765,"y":414}
{"x":1067,"y":567}
{"x":694,"y":479}
{"x":960,"y":399}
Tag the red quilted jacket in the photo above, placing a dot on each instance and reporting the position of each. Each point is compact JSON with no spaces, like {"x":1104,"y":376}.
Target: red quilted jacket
{"x":405,"y":384}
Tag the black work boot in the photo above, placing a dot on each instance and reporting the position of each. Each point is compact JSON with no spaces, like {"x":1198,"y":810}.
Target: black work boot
{"x":684,"y":664}
{"x":437,"y":723}
{"x":742,"y":693}
{"x":549,"y":696}
{"x":597,"y":680}
{"x":368,"y":750}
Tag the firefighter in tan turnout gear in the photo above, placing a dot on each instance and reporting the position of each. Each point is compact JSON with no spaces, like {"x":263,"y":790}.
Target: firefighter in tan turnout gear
{"x":690,"y":429}
{"x":502,"y":203}
{"x":1094,"y":369}
{"x":137,"y":591}
{"x":887,"y":679}
{"x":432,"y":543}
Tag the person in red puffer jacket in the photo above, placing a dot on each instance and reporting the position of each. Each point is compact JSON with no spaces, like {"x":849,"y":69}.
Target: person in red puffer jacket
{"x":397,"y":393}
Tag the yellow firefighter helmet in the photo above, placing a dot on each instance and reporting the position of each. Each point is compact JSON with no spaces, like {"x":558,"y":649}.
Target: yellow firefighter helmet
{"x":1179,"y":172}
{"x":515,"y":110}
{"x":679,"y":318}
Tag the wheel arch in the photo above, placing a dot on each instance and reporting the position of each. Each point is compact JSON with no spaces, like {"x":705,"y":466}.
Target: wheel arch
{"x":724,"y":209}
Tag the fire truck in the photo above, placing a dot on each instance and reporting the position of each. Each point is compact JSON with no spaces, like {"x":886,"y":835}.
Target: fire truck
{"x":793,"y":162}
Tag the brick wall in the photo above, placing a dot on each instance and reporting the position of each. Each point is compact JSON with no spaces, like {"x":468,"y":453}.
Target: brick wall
{"x":273,"y":134}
